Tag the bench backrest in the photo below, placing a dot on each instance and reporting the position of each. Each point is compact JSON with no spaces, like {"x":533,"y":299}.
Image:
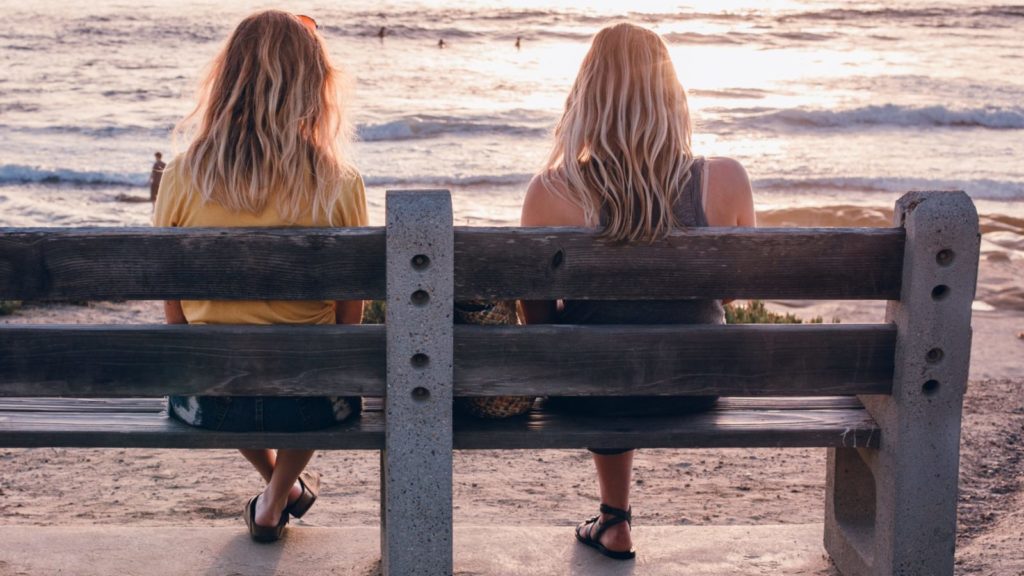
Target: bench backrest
{"x":925,"y":266}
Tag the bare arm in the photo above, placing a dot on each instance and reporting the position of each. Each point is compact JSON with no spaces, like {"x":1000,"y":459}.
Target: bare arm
{"x":543,"y":207}
{"x":173,"y":312}
{"x":730,"y":200}
{"x":348,"y":312}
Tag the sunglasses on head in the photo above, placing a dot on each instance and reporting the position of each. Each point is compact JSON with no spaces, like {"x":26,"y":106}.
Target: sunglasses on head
{"x":308,"y":22}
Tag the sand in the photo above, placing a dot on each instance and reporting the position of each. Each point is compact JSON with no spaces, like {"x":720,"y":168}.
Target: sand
{"x":556,"y":487}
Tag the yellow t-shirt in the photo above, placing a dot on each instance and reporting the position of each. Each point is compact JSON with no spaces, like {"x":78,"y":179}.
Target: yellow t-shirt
{"x":175,"y":206}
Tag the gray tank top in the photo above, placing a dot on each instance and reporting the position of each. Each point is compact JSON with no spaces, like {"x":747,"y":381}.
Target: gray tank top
{"x":689,"y":212}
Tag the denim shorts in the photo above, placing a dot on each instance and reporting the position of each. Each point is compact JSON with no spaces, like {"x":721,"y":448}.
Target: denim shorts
{"x":631,"y":406}
{"x":263,"y":413}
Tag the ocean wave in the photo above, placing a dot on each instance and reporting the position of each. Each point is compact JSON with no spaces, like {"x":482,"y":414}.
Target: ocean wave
{"x":935,"y":15}
{"x":20,"y":174}
{"x":476,"y":181}
{"x":419,"y":127}
{"x":981,"y":188}
{"x":893,"y":115}
{"x":99,"y":132}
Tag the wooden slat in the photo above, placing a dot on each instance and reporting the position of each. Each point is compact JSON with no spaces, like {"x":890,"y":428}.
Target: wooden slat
{"x":735,"y":360}
{"x":194,"y":263}
{"x":160,"y":263}
{"x":762,"y":422}
{"x":747,"y":360}
{"x":112,"y":361}
{"x":781,"y":263}
{"x":156,"y":430}
{"x":728,"y":426}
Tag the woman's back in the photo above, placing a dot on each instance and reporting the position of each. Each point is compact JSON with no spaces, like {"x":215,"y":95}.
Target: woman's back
{"x":689,"y":212}
{"x":180,"y":205}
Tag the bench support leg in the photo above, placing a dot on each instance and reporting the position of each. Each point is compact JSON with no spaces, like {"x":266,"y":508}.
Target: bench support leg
{"x":892,"y":511}
{"x":416,"y":464}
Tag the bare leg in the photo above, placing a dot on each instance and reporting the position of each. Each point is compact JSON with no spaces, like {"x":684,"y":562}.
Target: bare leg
{"x":289,"y":464}
{"x":262,"y":460}
{"x":614,"y":476}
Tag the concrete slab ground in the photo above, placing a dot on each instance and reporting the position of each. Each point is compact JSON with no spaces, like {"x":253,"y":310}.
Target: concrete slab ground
{"x":354,"y":551}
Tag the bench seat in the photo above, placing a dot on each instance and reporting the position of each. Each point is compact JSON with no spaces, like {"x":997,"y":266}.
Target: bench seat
{"x":735,"y":422}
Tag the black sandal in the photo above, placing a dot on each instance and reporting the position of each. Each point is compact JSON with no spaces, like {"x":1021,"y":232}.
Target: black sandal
{"x":263,"y":533}
{"x":310,"y":483}
{"x":595,"y":528}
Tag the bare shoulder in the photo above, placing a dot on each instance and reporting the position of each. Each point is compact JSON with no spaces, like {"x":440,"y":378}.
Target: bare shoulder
{"x":730,"y":200}
{"x":727,"y":175}
{"x":547,"y":204}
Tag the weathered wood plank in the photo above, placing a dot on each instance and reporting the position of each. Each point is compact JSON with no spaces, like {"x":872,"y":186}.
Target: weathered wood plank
{"x":797,"y":263}
{"x":736,"y":360}
{"x":156,"y":430}
{"x":767,"y":422}
{"x":539,"y":263}
{"x":720,"y":428}
{"x":111,"y":361}
{"x":194,"y":263}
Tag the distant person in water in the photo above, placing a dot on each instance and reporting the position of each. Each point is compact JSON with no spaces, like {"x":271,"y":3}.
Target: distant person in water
{"x":441,"y":43}
{"x":382,"y":33}
{"x":622,"y":163}
{"x":155,"y":176}
{"x":519,"y":42}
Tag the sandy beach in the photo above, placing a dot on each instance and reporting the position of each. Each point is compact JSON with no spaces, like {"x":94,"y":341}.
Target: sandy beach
{"x":556,"y":487}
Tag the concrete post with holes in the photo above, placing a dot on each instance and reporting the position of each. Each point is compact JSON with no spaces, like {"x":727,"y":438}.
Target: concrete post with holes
{"x":892,"y":511}
{"x":416,"y":464}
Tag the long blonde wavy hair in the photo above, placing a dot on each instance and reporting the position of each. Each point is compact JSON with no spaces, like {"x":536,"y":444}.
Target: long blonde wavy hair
{"x":624,"y":141}
{"x":269,"y":125}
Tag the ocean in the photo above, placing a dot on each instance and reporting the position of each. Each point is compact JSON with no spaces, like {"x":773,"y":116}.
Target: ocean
{"x":835,"y":108}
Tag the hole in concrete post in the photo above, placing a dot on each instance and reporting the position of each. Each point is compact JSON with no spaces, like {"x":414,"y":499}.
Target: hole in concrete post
{"x":944,"y":257}
{"x":930,"y":387}
{"x":420,"y":394}
{"x":420,"y":297}
{"x":420,"y":360}
{"x":557,"y":259}
{"x":420,"y":262}
{"x":934,"y":356}
{"x":940,"y":292}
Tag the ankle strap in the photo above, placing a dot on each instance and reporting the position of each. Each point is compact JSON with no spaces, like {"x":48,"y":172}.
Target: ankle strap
{"x":619,"y":514}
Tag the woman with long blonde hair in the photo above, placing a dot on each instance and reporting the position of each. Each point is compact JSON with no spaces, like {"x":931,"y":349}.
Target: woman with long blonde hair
{"x":622,"y":162}
{"x":265,"y":150}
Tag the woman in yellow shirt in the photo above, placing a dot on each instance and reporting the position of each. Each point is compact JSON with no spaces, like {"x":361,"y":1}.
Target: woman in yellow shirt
{"x":265,"y":151}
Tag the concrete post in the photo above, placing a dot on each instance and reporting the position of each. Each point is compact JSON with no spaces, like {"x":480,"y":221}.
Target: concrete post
{"x":892,"y":511}
{"x":416,"y":465}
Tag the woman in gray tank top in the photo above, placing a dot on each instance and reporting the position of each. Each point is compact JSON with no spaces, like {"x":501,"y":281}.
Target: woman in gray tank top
{"x":622,"y":162}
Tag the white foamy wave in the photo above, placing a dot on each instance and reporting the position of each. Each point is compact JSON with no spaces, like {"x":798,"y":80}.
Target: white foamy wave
{"x":980,"y":188}
{"x":19,"y":174}
{"x":478,"y":181}
{"x":894,"y":115}
{"x":425,"y":126}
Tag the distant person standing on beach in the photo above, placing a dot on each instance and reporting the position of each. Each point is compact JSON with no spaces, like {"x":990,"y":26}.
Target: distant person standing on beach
{"x":441,"y":43}
{"x":155,"y":176}
{"x":382,"y":33}
{"x":622,"y":163}
{"x":265,"y":152}
{"x":519,"y":42}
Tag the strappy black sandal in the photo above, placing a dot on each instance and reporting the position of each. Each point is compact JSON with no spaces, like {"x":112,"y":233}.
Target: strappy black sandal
{"x":590,"y":532}
{"x":263,"y":533}
{"x":310,"y":483}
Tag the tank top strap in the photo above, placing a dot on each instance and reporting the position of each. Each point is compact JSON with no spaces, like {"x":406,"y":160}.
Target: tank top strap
{"x":689,"y":208}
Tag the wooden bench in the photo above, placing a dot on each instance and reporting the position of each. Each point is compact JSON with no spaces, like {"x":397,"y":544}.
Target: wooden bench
{"x":885,"y":399}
